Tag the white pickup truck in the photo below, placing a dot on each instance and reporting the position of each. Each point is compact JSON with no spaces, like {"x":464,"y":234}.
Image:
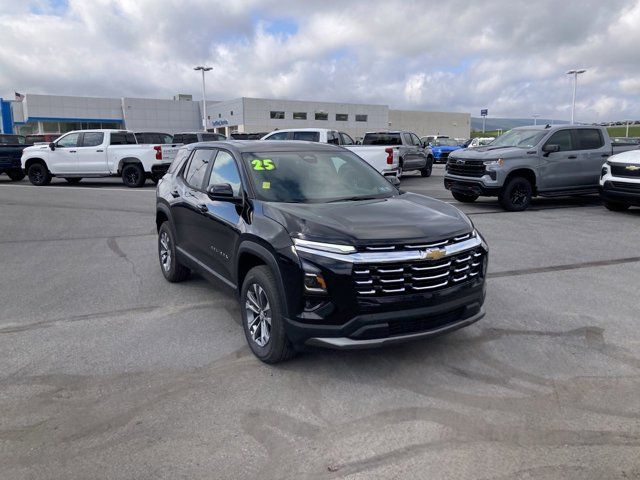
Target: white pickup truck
{"x":97,"y":153}
{"x":384,"y":159}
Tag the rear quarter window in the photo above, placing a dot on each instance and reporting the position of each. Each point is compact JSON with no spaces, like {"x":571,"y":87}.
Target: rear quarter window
{"x":589,"y":139}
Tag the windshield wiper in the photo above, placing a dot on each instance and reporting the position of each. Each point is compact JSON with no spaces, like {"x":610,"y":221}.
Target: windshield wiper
{"x":352,"y":199}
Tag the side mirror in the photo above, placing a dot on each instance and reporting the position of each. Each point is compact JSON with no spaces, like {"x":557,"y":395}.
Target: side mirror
{"x":221,"y":192}
{"x":393,"y":180}
{"x":52,"y":146}
{"x":550,"y":148}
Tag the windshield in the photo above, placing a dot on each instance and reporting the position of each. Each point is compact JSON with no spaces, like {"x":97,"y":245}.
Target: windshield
{"x":519,"y":138}
{"x":445,"y":142}
{"x":314,"y":177}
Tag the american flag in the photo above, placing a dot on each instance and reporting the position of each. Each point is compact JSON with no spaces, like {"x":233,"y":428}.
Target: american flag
{"x":19,"y":96}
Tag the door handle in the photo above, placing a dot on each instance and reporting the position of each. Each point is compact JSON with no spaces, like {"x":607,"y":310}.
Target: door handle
{"x":72,"y":151}
{"x":605,"y":155}
{"x":572,"y":156}
{"x":203,"y":208}
{"x":99,"y":150}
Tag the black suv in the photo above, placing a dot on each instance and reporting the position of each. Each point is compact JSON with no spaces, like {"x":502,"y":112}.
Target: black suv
{"x":320,"y":248}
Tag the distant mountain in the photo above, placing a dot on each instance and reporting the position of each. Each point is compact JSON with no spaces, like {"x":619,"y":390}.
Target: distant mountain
{"x":508,"y":123}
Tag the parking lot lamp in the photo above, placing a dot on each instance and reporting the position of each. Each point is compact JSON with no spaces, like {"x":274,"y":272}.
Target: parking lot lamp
{"x":575,"y":74}
{"x":204,"y":101}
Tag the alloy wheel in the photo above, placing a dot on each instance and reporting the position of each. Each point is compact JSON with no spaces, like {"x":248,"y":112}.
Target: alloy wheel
{"x":258,"y":315}
{"x":165,"y":251}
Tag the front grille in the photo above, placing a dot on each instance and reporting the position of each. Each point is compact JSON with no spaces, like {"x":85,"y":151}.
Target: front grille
{"x":418,"y":276}
{"x":444,"y":155}
{"x":632,"y":187}
{"x":470,"y":168}
{"x":621,"y":171}
{"x":417,"y":325}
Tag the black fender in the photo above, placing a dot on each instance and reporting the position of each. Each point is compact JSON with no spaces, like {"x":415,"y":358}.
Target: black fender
{"x":249,"y":246}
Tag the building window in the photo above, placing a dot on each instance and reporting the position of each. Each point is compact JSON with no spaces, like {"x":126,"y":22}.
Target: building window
{"x":219,"y":115}
{"x":342,"y":117}
{"x":277,"y":115}
{"x":299,"y":115}
{"x":361,"y":118}
{"x":232,"y":113}
{"x":322,"y":116}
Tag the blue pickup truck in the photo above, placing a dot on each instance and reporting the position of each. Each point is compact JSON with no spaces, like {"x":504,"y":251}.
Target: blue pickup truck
{"x":11,"y":147}
{"x":442,"y":147}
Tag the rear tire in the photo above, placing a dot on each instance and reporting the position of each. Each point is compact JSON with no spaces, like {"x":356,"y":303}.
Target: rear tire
{"x":16,"y":175}
{"x":73,"y":180}
{"x":515,"y":196}
{"x":616,"y":207}
{"x":39,"y":174}
{"x":133,"y":175}
{"x":261,"y":307}
{"x":465,"y":197}
{"x":170,"y":266}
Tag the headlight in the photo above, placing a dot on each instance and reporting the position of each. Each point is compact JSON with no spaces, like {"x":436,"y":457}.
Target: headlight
{"x":498,"y":163}
{"x":323,"y":247}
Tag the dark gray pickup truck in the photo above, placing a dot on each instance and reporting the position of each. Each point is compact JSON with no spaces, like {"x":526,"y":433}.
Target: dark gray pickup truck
{"x":546,"y":160}
{"x":413,"y":154}
{"x":11,"y":147}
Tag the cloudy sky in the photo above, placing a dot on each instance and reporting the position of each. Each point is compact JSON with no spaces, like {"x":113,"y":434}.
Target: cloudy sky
{"x":509,"y":56}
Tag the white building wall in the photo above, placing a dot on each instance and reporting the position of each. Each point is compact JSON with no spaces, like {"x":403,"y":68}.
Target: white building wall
{"x":168,"y":116}
{"x":227,"y":115}
{"x":456,"y":125}
{"x":66,"y":107}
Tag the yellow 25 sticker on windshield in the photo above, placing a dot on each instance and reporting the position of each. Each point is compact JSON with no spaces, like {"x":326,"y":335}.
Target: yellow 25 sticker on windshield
{"x":265,"y":164}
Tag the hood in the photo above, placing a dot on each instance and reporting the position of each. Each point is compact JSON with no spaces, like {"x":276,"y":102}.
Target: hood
{"x":630,"y":156}
{"x":404,"y":218}
{"x":488,"y":153}
{"x":446,"y":148}
{"x":36,"y":147}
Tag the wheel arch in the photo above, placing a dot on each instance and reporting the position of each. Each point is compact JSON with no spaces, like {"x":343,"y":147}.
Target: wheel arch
{"x":33,"y":160}
{"x":126,"y":161}
{"x":525,"y":173}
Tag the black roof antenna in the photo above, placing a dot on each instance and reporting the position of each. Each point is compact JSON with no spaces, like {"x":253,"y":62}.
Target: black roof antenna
{"x":547,"y":126}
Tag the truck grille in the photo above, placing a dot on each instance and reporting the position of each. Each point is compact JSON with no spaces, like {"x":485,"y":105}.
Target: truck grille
{"x":631,"y":187}
{"x":470,"y":168}
{"x":419,"y":276}
{"x":621,"y":171}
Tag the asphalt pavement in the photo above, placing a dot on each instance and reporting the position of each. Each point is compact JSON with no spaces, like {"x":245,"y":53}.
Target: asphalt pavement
{"x":108,"y":371}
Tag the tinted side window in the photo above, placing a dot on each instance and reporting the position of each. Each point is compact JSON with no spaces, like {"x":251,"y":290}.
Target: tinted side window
{"x":225,"y":171}
{"x":346,"y":139}
{"x":212,"y":137}
{"x":189,"y":138}
{"x":562,"y":138}
{"x":118,"y":139}
{"x":415,"y":139}
{"x":308,"y":136}
{"x":194,"y":173}
{"x":180,"y":156}
{"x":278,"y":136}
{"x":177,"y":138}
{"x":70,"y":140}
{"x":130,"y":138}
{"x":332,"y":137}
{"x":92,"y":139}
{"x":589,"y":139}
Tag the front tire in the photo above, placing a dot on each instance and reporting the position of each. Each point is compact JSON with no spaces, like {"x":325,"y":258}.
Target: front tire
{"x":16,"y":175}
{"x":133,"y":175}
{"x":39,"y":174}
{"x":262,"y":319}
{"x":426,"y":171}
{"x":170,"y":266}
{"x":465,"y":197}
{"x":73,"y":180}
{"x":616,"y":206}
{"x":515,"y":196}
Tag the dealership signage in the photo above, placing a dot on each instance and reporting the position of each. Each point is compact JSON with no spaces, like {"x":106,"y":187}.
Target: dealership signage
{"x":220,"y":122}
{"x":484,"y":112}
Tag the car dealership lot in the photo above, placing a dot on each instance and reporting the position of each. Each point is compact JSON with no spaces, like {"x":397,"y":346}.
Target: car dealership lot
{"x":108,"y":371}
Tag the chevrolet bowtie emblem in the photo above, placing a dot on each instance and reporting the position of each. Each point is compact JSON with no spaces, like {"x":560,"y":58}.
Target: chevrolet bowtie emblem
{"x":434,"y":253}
{"x":632,"y":168}
{"x":460,"y":162}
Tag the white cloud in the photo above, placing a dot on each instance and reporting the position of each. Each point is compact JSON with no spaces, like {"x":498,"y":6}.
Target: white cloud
{"x":509,"y":56}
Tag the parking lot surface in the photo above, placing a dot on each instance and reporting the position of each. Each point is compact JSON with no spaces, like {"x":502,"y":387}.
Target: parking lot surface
{"x":108,"y":371}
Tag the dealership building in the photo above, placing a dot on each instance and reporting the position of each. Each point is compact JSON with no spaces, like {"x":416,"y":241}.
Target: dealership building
{"x":59,"y":114}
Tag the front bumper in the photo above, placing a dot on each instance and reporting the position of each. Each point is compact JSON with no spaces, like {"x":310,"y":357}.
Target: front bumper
{"x":469,"y":185}
{"x":621,"y":191}
{"x":442,"y":312}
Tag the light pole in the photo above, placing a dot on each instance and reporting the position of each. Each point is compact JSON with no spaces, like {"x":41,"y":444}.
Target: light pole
{"x":535,"y":118}
{"x":204,"y":100}
{"x":575,"y":74}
